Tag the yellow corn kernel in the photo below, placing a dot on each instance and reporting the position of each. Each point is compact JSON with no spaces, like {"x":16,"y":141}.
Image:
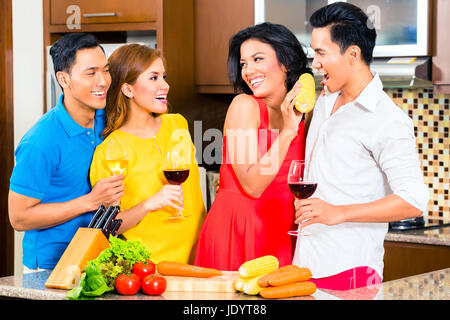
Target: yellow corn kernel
{"x":251,"y":287}
{"x":240,"y":282}
{"x":258,"y":266}
{"x":306,"y":98}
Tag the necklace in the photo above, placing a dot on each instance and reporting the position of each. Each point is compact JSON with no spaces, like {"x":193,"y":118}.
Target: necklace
{"x":154,"y":140}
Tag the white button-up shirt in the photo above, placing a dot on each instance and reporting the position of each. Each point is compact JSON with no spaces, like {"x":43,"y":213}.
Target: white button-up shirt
{"x":363,"y":152}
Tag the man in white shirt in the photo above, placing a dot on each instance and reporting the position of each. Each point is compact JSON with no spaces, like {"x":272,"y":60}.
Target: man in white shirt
{"x":362,"y":152}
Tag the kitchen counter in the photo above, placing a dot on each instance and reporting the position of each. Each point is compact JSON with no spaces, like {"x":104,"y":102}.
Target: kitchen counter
{"x":429,"y":286}
{"x":435,"y":236}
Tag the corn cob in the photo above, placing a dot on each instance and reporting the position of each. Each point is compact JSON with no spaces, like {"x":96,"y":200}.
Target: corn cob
{"x":306,"y":98}
{"x":251,"y":287}
{"x":240,"y":282}
{"x":258,"y":266}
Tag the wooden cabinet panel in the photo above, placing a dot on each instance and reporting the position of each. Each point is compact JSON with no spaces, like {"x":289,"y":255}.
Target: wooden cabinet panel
{"x":106,"y":11}
{"x":402,"y":259}
{"x":6,"y":136}
{"x":216,"y":21}
{"x":173,"y":21}
{"x":441,"y":46}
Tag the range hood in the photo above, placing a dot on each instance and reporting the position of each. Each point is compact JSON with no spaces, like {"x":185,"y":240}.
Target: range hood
{"x":405,"y":72}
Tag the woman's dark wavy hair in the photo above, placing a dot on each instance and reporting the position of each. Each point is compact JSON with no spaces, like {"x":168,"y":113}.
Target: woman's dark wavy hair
{"x":349,"y":26}
{"x":288,"y":49}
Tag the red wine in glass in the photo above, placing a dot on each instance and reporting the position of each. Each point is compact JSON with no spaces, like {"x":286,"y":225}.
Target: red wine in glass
{"x":301,"y":187}
{"x":302,"y":190}
{"x":176,"y":171}
{"x":176,"y":176}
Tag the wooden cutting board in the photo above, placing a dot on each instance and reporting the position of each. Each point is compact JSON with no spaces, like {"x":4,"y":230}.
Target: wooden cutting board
{"x":224,"y":283}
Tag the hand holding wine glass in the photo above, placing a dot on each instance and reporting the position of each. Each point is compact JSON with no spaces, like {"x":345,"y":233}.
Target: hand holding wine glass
{"x":169,"y":195}
{"x":176,"y":172}
{"x":301,"y":186}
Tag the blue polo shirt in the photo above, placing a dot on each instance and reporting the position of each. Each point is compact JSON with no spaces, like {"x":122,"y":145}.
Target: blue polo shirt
{"x":52,"y":165}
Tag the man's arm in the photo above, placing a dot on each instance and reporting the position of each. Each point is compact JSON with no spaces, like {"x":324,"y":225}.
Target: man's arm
{"x":26,"y":213}
{"x":395,"y":152}
{"x":387,"y":209}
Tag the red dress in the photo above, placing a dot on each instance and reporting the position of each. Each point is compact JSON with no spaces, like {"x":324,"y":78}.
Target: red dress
{"x":238,"y":227}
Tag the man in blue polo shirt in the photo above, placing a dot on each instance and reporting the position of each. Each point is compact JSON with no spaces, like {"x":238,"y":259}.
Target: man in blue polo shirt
{"x":50,"y":196}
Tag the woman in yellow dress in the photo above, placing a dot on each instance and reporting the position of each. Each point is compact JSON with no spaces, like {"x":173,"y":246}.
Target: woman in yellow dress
{"x":136,"y":116}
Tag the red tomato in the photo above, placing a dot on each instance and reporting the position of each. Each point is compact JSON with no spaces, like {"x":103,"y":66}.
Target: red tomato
{"x":143,"y":269}
{"x":154,"y":285}
{"x":128,"y":285}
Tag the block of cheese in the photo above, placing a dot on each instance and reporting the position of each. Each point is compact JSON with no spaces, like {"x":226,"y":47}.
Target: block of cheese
{"x":86,"y":245}
{"x":306,"y":98}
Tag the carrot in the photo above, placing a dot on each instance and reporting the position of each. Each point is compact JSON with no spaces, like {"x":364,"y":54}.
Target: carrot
{"x":172,"y":268}
{"x":305,"y":288}
{"x":301,"y":274}
{"x":264,"y":281}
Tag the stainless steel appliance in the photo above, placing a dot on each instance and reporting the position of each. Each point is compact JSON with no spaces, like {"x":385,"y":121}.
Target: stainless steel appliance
{"x":403,"y":26}
{"x":402,"y":52}
{"x":418,"y":223}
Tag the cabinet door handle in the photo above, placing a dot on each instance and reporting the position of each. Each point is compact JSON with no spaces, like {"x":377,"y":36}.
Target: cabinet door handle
{"x":103,"y":14}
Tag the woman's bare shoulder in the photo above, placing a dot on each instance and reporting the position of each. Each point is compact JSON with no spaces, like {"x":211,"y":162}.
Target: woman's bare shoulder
{"x":244,"y":101}
{"x":243,"y":112}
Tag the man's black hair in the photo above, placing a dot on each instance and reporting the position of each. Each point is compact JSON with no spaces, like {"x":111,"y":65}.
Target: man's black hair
{"x":64,"y":50}
{"x":288,"y":49}
{"x":349,"y":26}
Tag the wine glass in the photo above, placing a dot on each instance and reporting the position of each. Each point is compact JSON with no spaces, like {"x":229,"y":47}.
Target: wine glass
{"x":301,"y":186}
{"x":176,"y":172}
{"x":116,"y":157}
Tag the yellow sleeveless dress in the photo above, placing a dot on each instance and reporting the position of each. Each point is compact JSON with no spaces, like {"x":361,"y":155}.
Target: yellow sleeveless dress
{"x":167,"y":239}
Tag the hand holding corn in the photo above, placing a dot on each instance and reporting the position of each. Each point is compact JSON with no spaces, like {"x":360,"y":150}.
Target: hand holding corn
{"x":306,"y":98}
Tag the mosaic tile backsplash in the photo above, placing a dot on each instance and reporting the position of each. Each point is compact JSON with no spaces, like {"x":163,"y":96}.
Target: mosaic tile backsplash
{"x":430,"y":113}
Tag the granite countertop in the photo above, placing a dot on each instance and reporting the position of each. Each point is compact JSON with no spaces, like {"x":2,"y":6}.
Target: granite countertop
{"x":429,"y":286}
{"x":434,"y":236}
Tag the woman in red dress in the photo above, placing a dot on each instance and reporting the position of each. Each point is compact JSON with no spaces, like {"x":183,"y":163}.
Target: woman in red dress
{"x":253,"y":209}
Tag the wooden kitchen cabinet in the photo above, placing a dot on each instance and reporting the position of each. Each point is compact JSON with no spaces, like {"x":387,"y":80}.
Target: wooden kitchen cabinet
{"x":106,"y":11}
{"x":216,"y":21}
{"x":172,"y":20}
{"x":441,"y":46}
{"x":6,"y":136}
{"x":404,"y":259}
{"x":61,"y":16}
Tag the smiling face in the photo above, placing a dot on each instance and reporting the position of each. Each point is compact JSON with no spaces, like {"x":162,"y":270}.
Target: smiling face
{"x":88,"y":80}
{"x":261,"y":70}
{"x":150,"y":89}
{"x":329,"y":60}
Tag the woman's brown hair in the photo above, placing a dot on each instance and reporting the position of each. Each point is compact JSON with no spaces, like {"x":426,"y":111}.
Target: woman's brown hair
{"x":125,"y":65}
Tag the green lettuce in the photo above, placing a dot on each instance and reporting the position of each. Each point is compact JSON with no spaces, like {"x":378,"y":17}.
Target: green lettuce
{"x":132,"y":250}
{"x":101,"y":273}
{"x":92,"y":284}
